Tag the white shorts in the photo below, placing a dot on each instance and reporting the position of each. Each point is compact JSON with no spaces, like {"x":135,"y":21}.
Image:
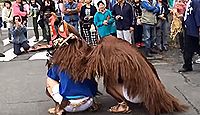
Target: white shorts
{"x":75,"y":105}
{"x":124,"y":34}
{"x":134,"y":100}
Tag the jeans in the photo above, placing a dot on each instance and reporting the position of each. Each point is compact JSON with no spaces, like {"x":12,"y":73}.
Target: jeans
{"x":149,"y":35}
{"x":75,"y":24}
{"x":17,"y":47}
{"x":162,"y":33}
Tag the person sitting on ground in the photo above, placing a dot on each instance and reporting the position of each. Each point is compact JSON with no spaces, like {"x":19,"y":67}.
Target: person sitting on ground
{"x":18,"y":34}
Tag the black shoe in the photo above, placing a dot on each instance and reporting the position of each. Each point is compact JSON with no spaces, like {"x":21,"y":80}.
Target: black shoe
{"x":154,"y":51}
{"x":185,"y":70}
{"x":165,"y":48}
{"x":36,"y":40}
{"x":44,"y":40}
{"x":10,"y":41}
{"x":149,"y":55}
{"x":2,"y":55}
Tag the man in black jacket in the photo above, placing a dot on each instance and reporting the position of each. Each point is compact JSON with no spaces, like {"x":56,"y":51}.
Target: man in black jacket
{"x":192,"y":27}
{"x":123,"y":13}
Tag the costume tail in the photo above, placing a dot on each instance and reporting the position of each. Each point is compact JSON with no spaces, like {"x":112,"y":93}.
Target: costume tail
{"x":160,"y":101}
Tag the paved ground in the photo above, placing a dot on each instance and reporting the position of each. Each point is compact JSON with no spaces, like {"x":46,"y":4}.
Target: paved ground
{"x":22,"y":88}
{"x":22,"y":85}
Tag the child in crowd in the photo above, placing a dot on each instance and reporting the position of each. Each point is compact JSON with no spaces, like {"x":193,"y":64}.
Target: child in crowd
{"x":7,"y":17}
{"x":19,"y":37}
{"x":162,"y":28}
{"x":138,"y":28}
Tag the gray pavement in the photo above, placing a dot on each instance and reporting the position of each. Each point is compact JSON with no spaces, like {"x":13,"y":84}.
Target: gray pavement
{"x":22,"y":88}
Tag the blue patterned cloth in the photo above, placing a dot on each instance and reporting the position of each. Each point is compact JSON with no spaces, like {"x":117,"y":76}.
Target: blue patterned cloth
{"x":69,"y":88}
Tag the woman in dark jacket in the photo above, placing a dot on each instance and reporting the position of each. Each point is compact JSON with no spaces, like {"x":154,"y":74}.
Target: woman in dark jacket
{"x":87,"y":16}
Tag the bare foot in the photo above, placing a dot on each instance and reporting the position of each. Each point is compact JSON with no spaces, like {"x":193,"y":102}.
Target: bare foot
{"x":120,"y":108}
{"x":60,"y":112}
{"x":52,"y":110}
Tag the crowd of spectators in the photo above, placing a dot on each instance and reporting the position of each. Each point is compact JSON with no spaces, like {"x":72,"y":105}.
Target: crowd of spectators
{"x":151,"y":24}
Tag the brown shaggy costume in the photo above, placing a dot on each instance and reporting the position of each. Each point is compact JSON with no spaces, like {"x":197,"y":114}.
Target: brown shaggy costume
{"x":118,"y":63}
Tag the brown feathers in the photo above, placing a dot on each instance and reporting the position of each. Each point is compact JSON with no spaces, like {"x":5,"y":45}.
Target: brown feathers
{"x":118,"y":63}
{"x":68,"y":57}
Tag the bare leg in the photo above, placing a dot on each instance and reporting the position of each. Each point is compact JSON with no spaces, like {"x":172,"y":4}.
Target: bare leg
{"x":50,"y":84}
{"x":117,"y":93}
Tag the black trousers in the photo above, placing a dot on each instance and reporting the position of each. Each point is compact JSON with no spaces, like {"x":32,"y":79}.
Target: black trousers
{"x":46,"y":31}
{"x":17,"y":47}
{"x":35,"y":26}
{"x":138,"y":31}
{"x":191,"y":45}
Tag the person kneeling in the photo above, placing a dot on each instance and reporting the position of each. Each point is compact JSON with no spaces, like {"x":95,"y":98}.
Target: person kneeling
{"x":18,"y":32}
{"x":69,"y":95}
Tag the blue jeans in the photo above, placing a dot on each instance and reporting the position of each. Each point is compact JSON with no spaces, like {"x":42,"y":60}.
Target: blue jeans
{"x":149,"y":35}
{"x":17,"y":47}
{"x":75,"y":24}
{"x":162,"y":33}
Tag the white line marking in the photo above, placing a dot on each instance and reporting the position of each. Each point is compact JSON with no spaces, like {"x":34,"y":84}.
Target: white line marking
{"x":6,"y":41}
{"x":9,"y":55}
{"x":28,"y":28}
{"x":39,"y":56}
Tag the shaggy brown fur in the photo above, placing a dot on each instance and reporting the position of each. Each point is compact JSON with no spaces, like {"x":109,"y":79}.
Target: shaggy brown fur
{"x":68,"y":56}
{"x":118,"y":62}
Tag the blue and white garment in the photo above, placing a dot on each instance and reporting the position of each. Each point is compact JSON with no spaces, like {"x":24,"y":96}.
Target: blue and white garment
{"x":68,"y":88}
{"x":192,"y":18}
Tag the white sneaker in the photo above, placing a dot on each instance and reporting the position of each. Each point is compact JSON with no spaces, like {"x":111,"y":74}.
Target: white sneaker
{"x":198,"y":61}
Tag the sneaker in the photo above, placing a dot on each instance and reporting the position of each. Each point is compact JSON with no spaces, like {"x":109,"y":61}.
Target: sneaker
{"x":2,"y":55}
{"x":165,"y":48}
{"x":44,"y":40}
{"x":154,"y":51}
{"x":137,"y":45}
{"x":36,"y":40}
{"x":10,"y":41}
{"x":197,"y":61}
